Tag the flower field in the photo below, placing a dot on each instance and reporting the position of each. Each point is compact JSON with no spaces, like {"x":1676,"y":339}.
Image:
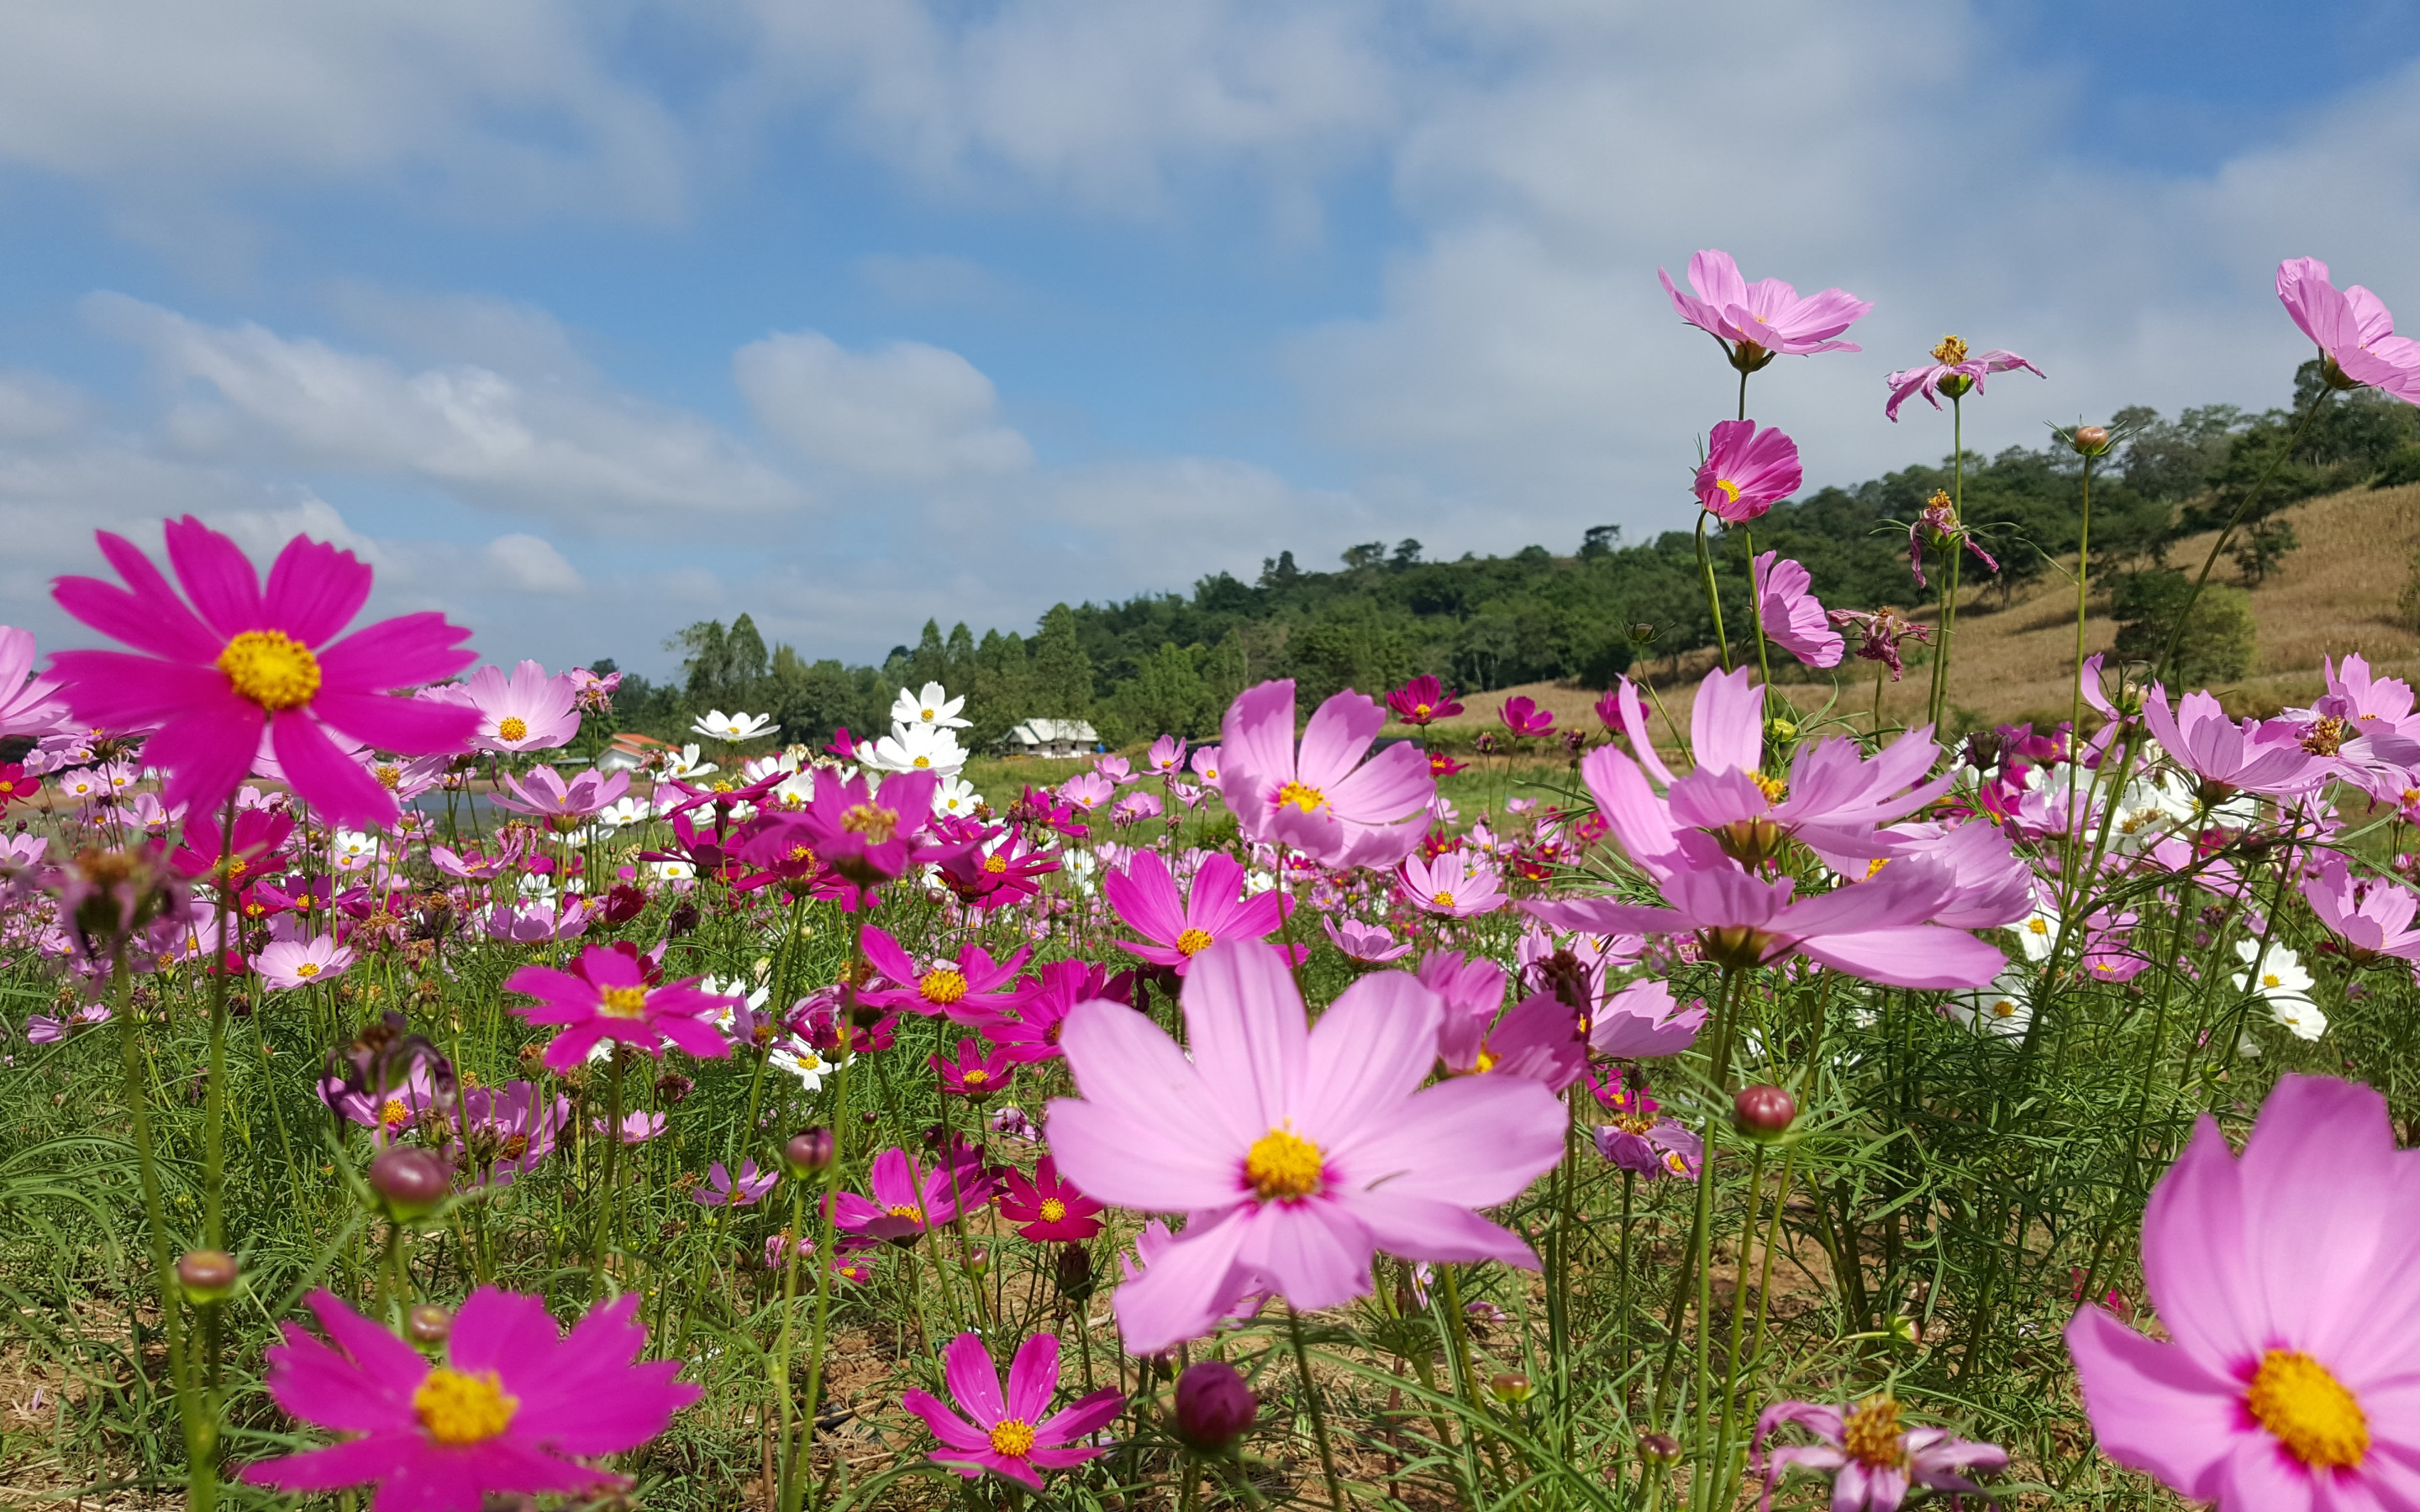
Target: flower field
{"x":1758,"y":1100}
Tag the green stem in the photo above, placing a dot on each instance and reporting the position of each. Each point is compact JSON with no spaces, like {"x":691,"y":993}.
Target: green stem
{"x":1714,"y":599}
{"x":609,"y":1211}
{"x":794,"y":1485}
{"x":201,"y":1434}
{"x":1311,"y":1404}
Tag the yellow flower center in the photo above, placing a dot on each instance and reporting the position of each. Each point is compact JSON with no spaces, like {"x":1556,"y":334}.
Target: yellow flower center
{"x":1870,"y":1432}
{"x":308,"y":968}
{"x":943,"y":986}
{"x":1445,"y":899}
{"x":975,"y":1076}
{"x":1306,"y":800}
{"x":1774,"y":788}
{"x":459,"y":1408}
{"x":388,"y":775}
{"x":272,"y":668}
{"x":928,"y":715}
{"x":1951,"y":351}
{"x":2270,"y":979}
{"x":1193,"y":941}
{"x":877,"y":824}
{"x":1875,"y":865}
{"x":2004,"y":1009}
{"x":802,"y":853}
{"x":1283,"y":1165}
{"x":914,"y":1216}
{"x":924,"y":761}
{"x":1420,"y":709}
{"x":393,"y":1114}
{"x":1013,"y":1437}
{"x":1731,"y":490}
{"x":2039,"y":926}
{"x":2325,"y":736}
{"x":1487,"y":1061}
{"x":622,"y":1002}
{"x":2313,"y":1416}
{"x":1053,"y":1210}
{"x":995,"y":864}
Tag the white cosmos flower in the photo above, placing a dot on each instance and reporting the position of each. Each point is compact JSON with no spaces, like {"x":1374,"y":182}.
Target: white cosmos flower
{"x":2283,"y":987}
{"x":623,"y":813}
{"x":671,"y":871}
{"x":682,"y":766}
{"x":919,"y":747}
{"x":802,"y":1060}
{"x":2037,"y":932}
{"x":717,"y":725}
{"x":354,"y":849}
{"x":932,"y":707}
{"x":718,"y":987}
{"x":792,"y":792}
{"x":957,"y":798}
{"x":2000,"y":1009}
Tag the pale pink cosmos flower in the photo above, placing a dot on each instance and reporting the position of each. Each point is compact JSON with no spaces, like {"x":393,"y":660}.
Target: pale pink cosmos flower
{"x":1457,"y":883}
{"x":1951,"y":372}
{"x":2353,"y":328}
{"x":1297,"y":1150}
{"x":1539,"y":1038}
{"x":1643,"y":1020}
{"x":2223,"y":757}
{"x":2285,"y":1283}
{"x":1875,"y":1460}
{"x":1369,"y":944}
{"x":1792,"y":618}
{"x":1747,"y":471}
{"x":29,"y":705}
{"x":2371,"y":917}
{"x":1167,"y":755}
{"x":543,"y":794}
{"x":1755,"y":321}
{"x":527,"y":711}
{"x":1089,"y":791}
{"x":289,"y":963}
{"x":1323,"y":800}
{"x":1205,"y":763}
{"x":1179,"y":925}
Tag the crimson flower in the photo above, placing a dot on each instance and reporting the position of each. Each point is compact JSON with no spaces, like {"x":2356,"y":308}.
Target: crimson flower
{"x":1441,"y":765}
{"x":256,"y":671}
{"x":1010,"y":1436}
{"x":1424,"y":701}
{"x":1522,"y":715}
{"x":867,"y":835}
{"x":974,"y":1075}
{"x":1047,"y":1208}
{"x":1879,"y":632}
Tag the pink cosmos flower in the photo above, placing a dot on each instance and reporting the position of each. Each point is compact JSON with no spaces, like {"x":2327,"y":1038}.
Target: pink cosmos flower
{"x":1792,"y":618}
{"x":1951,"y":372}
{"x":1458,"y":883}
{"x":1297,"y":1150}
{"x":2372,"y":918}
{"x":507,"y":1411}
{"x":538,"y":921}
{"x":605,"y":996}
{"x":970,"y":989}
{"x":1028,"y":1032}
{"x":2353,"y":328}
{"x":1755,"y":321}
{"x":1746,"y":471}
{"x":1323,"y":800}
{"x":1047,"y":1208}
{"x":1879,"y":631}
{"x":635,"y":1127}
{"x":908,"y":1201}
{"x":867,"y":836}
{"x":1522,"y":715}
{"x":1537,"y":1038}
{"x":1167,"y":755}
{"x":28,"y":705}
{"x":543,"y":792}
{"x":246,"y":855}
{"x":529,"y":710}
{"x":1874,"y":1461}
{"x":1205,"y":763}
{"x":2226,"y":758}
{"x":254,"y":671}
{"x":289,"y":964}
{"x":1880,"y":930}
{"x":1424,"y":701}
{"x":974,"y":1075}
{"x":1088,"y":791}
{"x":1010,"y":1436}
{"x":2285,"y":1283}
{"x":1144,"y":893}
{"x":1369,"y":944}
{"x":1643,"y":1020}
{"x":721,"y":1190}
{"x":1641,"y":1139}
{"x":512,"y":1128}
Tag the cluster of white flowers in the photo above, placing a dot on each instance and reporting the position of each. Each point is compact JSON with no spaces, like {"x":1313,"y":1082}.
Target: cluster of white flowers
{"x":924,"y":738}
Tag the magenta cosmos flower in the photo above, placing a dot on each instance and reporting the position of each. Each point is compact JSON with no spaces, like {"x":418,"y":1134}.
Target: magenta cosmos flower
{"x":971,"y":989}
{"x":2285,"y":1283}
{"x":1792,"y":617}
{"x":510,"y":1403}
{"x":866,"y":834}
{"x":908,"y":1199}
{"x":1424,"y":701}
{"x":1951,"y":372}
{"x":1522,"y":715}
{"x":1746,"y":471}
{"x":1047,"y":1207}
{"x":256,"y":670}
{"x":1322,"y":800}
{"x":605,"y":996}
{"x":2353,"y":328}
{"x":1011,"y":1435}
{"x":1874,"y":1461}
{"x":975,"y":1073}
{"x":1755,"y":321}
{"x":1180,"y":927}
{"x":1298,"y":1151}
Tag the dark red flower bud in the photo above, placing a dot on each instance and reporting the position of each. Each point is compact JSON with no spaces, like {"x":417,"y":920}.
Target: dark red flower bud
{"x":1763,"y":1112}
{"x":1659,"y":1448}
{"x":1213,"y":1407}
{"x":411,"y":1182}
{"x":429,"y":1324}
{"x":2091,"y":440}
{"x":809,"y":1153}
{"x":206,"y":1275}
{"x":622,"y":904}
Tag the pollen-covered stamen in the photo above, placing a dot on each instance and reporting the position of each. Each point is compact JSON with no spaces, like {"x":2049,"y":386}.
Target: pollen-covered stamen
{"x":2318,"y":1421}
{"x":1282,"y":1165}
{"x":943,"y":986}
{"x":875,"y":823}
{"x":1013,"y":1437}
{"x":1870,"y":1433}
{"x":1053,"y":1210}
{"x":622,"y":1002}
{"x":1775,"y":789}
{"x":1731,"y":490}
{"x":512,"y":727}
{"x":308,"y":968}
{"x":1307,"y":799}
{"x":457,"y":1407}
{"x":1951,"y":351}
{"x":2325,"y":736}
{"x":913,"y":1214}
{"x":1194,"y":941}
{"x":272,"y":668}
{"x":393,"y":1113}
{"x":975,"y":1076}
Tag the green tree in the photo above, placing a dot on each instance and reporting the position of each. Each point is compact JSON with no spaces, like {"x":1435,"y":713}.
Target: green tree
{"x":1062,"y":673}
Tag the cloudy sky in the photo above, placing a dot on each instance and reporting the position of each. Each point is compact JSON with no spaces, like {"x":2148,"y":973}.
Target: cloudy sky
{"x":583,"y":319}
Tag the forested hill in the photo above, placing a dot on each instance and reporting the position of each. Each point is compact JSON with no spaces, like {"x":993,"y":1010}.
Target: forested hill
{"x":1170,"y":662}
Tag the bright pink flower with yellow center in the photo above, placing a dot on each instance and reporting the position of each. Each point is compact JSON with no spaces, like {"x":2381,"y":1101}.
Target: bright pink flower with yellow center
{"x":1180,"y":926}
{"x":2284,"y":1281}
{"x":246,"y":670}
{"x":511,"y":1406}
{"x":1952,"y":372}
{"x":970,"y":988}
{"x":1323,"y":800}
{"x":1746,"y":471}
{"x":1016,"y":1435}
{"x":605,"y":996}
{"x":1047,"y":1206}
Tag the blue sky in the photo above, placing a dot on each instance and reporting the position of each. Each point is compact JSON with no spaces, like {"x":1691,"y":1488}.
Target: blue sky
{"x":592,"y":319}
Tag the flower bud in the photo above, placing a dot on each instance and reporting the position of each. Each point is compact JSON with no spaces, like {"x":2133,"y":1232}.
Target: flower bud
{"x":809,"y":1153}
{"x":1955,"y":386}
{"x":206,"y":1275}
{"x":1511,"y":1386}
{"x":429,"y":1324}
{"x":1072,"y":1272}
{"x":2091,"y":441}
{"x":978,"y":1262}
{"x":1213,"y":1406}
{"x":410,"y":1182}
{"x":1763,"y":1112}
{"x":1659,"y":1448}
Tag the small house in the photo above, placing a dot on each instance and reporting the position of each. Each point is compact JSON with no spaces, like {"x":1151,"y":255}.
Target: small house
{"x":1051,"y":737}
{"x":629,"y":751}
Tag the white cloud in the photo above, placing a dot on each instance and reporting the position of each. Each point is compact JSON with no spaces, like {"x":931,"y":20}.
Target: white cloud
{"x":905,"y":412}
{"x":583,"y":457}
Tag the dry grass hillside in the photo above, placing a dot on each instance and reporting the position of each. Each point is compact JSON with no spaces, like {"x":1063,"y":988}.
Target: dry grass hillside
{"x":2334,"y":595}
